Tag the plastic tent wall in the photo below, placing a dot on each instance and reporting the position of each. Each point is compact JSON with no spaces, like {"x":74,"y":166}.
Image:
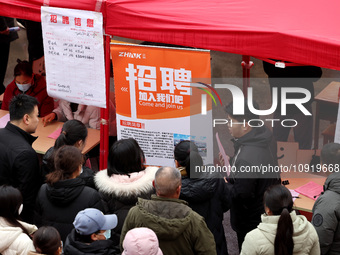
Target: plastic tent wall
{"x":304,"y":32}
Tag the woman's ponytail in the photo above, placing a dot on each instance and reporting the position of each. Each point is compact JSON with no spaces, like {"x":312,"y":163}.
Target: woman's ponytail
{"x":61,"y":140}
{"x":54,"y":176}
{"x":284,"y":243}
{"x":280,"y":202}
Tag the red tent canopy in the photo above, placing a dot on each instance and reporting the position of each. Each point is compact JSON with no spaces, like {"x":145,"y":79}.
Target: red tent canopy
{"x":303,"y":32}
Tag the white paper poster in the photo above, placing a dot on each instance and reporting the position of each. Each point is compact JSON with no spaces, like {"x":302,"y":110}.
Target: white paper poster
{"x":74,"y":55}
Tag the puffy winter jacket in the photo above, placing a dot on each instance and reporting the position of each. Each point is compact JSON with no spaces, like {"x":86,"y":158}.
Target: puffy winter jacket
{"x":59,"y":204}
{"x":13,"y":240}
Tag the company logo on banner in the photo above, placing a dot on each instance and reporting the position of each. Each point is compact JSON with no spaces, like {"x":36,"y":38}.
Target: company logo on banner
{"x":154,"y":96}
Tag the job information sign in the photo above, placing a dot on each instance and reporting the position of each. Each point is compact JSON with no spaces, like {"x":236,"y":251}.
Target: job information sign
{"x":74,"y":55}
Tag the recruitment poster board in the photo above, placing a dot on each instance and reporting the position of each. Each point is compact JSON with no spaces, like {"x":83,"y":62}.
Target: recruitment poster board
{"x":74,"y":55}
{"x":155,"y":100}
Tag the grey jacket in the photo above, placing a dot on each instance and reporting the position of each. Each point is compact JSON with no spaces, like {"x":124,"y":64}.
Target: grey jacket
{"x":326,"y":216}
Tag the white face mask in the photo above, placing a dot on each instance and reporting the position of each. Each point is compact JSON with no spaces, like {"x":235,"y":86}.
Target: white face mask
{"x":24,"y":87}
{"x":20,"y":209}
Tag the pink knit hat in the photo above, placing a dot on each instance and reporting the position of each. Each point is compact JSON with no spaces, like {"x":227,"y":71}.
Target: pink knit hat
{"x":141,"y":241}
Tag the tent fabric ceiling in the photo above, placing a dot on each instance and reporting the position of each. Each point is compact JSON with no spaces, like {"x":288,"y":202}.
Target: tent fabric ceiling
{"x":304,"y":32}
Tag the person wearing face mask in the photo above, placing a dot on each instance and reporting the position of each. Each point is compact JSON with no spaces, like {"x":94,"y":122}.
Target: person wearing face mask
{"x":64,"y":195}
{"x":91,"y":233}
{"x":14,"y":234}
{"x":30,"y":84}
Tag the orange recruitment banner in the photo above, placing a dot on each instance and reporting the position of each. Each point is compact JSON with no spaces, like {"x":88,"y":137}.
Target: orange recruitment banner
{"x":157,"y":100}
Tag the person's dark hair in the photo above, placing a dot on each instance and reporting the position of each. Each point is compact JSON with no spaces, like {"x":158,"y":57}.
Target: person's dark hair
{"x":279,"y":200}
{"x":71,"y":132}
{"x":248,"y":115}
{"x":67,"y":160}
{"x":330,"y":154}
{"x":84,"y":238}
{"x":23,"y":68}
{"x":125,"y":157}
{"x":186,"y":154}
{"x":46,"y":240}
{"x":20,"y":105}
{"x":10,"y":201}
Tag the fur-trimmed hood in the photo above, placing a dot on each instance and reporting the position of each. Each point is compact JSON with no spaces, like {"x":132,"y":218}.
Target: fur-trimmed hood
{"x":125,"y":186}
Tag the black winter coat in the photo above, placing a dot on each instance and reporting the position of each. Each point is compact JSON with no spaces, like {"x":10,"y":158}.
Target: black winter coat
{"x":59,"y":204}
{"x":100,"y":247}
{"x":208,"y":197}
{"x":19,"y":166}
{"x":246,"y":190}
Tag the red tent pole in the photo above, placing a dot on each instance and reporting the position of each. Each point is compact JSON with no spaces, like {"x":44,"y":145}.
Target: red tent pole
{"x":104,"y":112}
{"x":246,"y":65}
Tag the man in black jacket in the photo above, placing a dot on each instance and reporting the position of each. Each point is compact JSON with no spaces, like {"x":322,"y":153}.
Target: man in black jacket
{"x":254,"y":148}
{"x":19,"y":165}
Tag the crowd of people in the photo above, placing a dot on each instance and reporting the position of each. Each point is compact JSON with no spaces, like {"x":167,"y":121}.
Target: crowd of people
{"x":62,"y":206}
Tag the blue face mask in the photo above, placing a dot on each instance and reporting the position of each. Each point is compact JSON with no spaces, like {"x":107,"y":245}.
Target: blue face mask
{"x":107,"y":234}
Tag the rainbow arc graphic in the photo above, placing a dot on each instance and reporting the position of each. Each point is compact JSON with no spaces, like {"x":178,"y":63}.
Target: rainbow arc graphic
{"x":209,"y":91}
